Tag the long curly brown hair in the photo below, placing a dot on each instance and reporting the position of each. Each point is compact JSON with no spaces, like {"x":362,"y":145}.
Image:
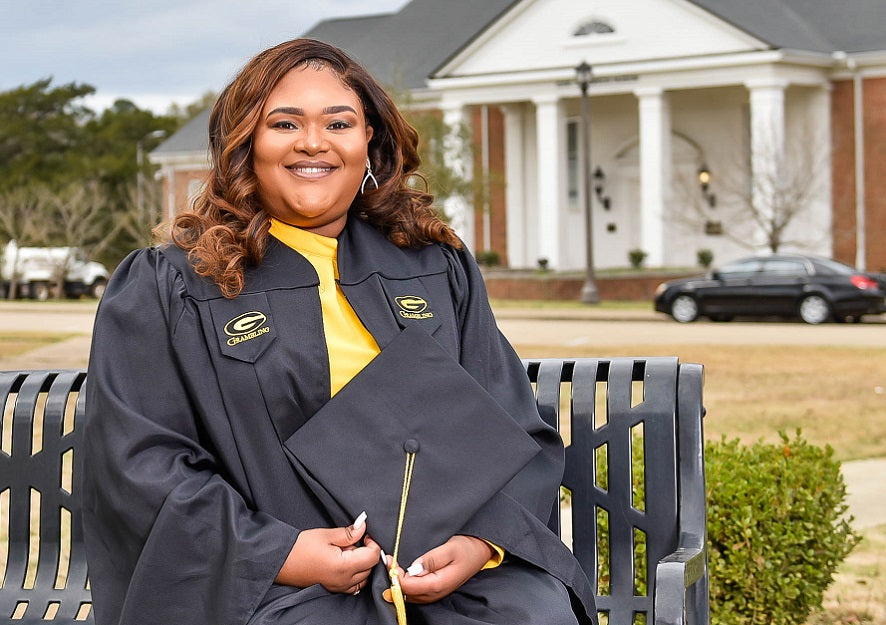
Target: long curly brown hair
{"x":227,"y":228}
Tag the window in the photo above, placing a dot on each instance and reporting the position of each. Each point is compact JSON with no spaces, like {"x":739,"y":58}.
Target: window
{"x":828,"y":266}
{"x":780,"y":267}
{"x":573,"y":165}
{"x":713,"y":228}
{"x":593,"y":26}
{"x":741,"y":269}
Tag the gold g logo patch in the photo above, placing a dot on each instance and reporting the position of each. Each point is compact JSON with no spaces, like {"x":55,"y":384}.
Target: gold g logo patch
{"x":411,"y":303}
{"x":245,"y":323}
{"x":413,"y":307}
{"x":246,"y":326}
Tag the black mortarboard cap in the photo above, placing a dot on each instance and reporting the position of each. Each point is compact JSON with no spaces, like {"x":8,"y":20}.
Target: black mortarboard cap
{"x":413,"y":397}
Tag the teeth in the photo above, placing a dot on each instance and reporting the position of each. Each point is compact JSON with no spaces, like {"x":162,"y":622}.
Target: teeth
{"x":312,"y":170}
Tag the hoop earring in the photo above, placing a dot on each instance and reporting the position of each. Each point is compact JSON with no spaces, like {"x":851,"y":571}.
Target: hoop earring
{"x":368,"y":176}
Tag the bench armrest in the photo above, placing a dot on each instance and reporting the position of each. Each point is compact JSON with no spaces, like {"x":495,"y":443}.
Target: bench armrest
{"x":675,"y":574}
{"x":681,"y":579}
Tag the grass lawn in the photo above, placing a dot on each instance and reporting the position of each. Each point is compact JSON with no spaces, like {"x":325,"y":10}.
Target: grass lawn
{"x":858,"y":594}
{"x":836,"y":395}
{"x":21,"y":342}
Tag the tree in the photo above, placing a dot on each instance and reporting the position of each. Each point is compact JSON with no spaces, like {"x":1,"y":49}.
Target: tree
{"x":763,"y":209}
{"x":190,"y":111}
{"x":60,"y":155}
{"x":138,"y":223}
{"x":440,"y":148}
{"x":23,"y":219}
{"x":41,"y":133}
{"x":115,"y":136}
{"x":437,"y":140}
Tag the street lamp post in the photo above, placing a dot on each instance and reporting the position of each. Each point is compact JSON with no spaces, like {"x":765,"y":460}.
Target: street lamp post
{"x":589,"y":292}
{"x":140,"y":159}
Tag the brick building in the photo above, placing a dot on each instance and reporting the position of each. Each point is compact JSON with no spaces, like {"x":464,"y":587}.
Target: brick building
{"x":699,"y":111}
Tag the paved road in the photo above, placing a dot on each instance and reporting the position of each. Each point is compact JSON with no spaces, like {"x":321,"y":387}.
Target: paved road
{"x":613,"y":327}
{"x":600,"y":327}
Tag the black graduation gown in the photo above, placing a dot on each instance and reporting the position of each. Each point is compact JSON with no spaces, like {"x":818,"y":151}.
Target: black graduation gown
{"x":191,"y":504}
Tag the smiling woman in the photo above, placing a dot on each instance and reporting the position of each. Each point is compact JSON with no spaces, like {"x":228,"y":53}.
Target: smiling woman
{"x":327,"y":354}
{"x":275,"y":119}
{"x":311,"y":157}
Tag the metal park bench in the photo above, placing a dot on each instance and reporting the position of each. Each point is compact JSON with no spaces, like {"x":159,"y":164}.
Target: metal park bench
{"x":634,"y":472}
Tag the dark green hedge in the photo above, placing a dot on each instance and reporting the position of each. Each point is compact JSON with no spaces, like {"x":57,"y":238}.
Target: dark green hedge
{"x":778,"y":528}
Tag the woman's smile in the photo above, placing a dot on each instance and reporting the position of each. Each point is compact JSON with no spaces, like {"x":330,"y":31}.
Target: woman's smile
{"x":311,"y":170}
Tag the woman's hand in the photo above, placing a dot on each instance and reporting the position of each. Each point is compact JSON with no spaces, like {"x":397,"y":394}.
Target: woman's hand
{"x":443,"y":569}
{"x":331,"y":558}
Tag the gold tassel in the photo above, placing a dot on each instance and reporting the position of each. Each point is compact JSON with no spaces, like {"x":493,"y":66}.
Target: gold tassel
{"x":398,"y":598}
{"x":396,"y":591}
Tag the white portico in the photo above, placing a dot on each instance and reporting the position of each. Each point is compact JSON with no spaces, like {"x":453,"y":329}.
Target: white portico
{"x":662,"y":108}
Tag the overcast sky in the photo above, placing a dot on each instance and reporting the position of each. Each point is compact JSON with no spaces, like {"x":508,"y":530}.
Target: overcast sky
{"x":152,"y":51}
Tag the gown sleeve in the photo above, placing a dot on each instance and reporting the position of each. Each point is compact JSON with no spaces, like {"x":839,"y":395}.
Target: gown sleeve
{"x":168,"y":539}
{"x":516,"y":517}
{"x":488,"y":356}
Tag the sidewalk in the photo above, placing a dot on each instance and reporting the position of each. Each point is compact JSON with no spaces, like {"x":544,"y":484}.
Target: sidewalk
{"x":72,"y":353}
{"x":866,"y":492}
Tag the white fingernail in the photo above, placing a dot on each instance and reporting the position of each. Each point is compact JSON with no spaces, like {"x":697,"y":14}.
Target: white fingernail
{"x":384,"y":558}
{"x":415,"y":568}
{"x":359,"y":521}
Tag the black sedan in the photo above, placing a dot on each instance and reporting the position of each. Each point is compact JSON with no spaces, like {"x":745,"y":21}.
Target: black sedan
{"x":786,"y":285}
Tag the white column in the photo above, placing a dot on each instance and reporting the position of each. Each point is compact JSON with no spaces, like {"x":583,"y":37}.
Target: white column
{"x":170,"y":192}
{"x":861,"y":236}
{"x":549,"y":157}
{"x":459,"y":210}
{"x":820,"y":219}
{"x":655,"y":171}
{"x":515,"y":189}
{"x":767,"y":145}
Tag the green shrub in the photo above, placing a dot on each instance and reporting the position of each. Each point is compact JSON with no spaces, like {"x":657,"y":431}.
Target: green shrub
{"x":778,"y":528}
{"x":705,"y":257}
{"x":488,"y":258}
{"x":637,"y":257}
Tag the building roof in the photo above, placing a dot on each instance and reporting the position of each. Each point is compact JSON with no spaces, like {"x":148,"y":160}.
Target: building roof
{"x":403,"y":49}
{"x":815,"y":25}
{"x":192,"y":137}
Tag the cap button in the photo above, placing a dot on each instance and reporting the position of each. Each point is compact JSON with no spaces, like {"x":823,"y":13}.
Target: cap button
{"x":411,"y":446}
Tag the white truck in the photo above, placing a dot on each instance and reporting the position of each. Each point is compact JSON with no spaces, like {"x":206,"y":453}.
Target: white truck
{"x":35,"y":272}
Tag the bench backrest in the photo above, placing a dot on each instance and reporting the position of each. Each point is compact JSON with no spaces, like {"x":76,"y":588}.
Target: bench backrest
{"x":44,"y":577}
{"x":635,"y":476}
{"x":634,"y":472}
